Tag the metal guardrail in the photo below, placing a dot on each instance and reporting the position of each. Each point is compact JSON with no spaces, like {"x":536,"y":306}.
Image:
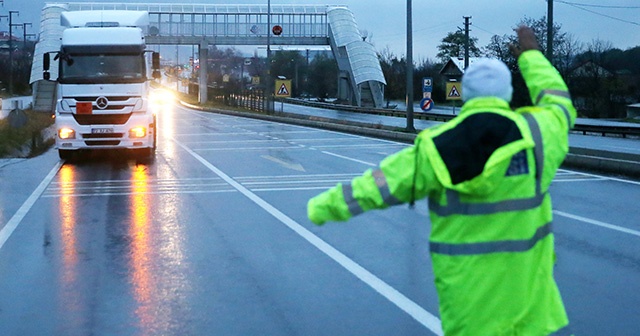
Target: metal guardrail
{"x":603,"y":128}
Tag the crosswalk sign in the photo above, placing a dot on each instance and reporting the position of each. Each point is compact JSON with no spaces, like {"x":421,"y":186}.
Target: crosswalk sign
{"x":283,"y":88}
{"x":453,"y":91}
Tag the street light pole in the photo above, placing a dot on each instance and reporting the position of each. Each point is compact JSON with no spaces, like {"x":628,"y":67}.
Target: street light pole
{"x":550,"y":30}
{"x":410,"y":127}
{"x":268,"y":87}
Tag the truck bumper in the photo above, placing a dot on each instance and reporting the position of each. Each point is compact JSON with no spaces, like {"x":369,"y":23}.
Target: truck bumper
{"x":106,"y":136}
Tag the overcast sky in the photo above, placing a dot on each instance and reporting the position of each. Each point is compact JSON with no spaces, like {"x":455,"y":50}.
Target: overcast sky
{"x":616,"y":21}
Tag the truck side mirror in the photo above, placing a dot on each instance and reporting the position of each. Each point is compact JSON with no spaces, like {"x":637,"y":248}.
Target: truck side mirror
{"x":155,"y":65}
{"x":155,"y":61}
{"x":46,"y":62}
{"x":45,"y":66}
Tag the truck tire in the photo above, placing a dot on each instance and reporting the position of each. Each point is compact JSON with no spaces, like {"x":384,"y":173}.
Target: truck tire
{"x":144,"y":154}
{"x":66,"y":154}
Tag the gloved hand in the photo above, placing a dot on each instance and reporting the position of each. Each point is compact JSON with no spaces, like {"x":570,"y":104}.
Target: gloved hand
{"x":527,"y":41}
{"x":315,"y":216}
{"x":328,"y":206}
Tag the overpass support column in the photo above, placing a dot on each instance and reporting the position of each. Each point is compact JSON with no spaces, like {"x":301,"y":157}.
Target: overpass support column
{"x":203,"y":54}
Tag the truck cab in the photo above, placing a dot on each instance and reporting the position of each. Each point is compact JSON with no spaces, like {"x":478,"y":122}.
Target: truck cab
{"x":102,"y":85}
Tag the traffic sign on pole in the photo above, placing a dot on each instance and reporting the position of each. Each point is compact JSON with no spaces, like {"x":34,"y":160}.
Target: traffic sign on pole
{"x":426,"y":104}
{"x":453,"y":91}
{"x":283,"y":88}
{"x":427,"y":84}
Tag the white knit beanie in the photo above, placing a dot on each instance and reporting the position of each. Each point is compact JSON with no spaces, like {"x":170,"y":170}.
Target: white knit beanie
{"x":487,"y":77}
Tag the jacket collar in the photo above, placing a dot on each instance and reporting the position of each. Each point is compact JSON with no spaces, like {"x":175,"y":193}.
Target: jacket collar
{"x":485,"y":103}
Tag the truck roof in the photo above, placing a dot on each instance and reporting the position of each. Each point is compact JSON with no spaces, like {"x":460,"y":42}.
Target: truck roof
{"x":109,"y":36}
{"x":104,"y":18}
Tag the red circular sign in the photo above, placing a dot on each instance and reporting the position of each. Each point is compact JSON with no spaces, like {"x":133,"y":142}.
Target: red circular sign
{"x":426,"y":104}
{"x":277,"y":30}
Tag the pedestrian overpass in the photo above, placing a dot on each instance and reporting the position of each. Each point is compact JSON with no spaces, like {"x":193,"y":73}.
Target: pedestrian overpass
{"x":360,"y":80}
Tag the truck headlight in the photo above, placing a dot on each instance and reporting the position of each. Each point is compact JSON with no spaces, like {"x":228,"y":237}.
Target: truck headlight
{"x":66,"y":133}
{"x":138,"y":132}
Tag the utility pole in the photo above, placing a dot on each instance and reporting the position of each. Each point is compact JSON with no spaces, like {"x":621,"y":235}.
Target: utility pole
{"x":550,"y":30}
{"x":25,"y":35}
{"x":466,"y":41}
{"x":410,"y":127}
{"x":11,"y":25}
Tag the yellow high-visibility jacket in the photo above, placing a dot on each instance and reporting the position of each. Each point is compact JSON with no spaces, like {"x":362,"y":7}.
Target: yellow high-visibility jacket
{"x":486,"y":174}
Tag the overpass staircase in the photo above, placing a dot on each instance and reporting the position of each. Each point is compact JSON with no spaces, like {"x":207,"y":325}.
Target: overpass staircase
{"x":361,"y":81}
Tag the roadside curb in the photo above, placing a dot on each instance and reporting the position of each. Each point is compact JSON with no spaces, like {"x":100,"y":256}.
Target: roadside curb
{"x":582,"y":158}
{"x":604,"y":161}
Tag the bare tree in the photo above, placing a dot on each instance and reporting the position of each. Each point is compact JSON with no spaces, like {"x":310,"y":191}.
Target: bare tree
{"x":565,"y":54}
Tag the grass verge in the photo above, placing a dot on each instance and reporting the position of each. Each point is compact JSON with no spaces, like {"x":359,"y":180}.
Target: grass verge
{"x":27,"y":139}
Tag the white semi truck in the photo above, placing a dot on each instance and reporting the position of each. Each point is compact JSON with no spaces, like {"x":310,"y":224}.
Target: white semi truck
{"x":102,"y":85}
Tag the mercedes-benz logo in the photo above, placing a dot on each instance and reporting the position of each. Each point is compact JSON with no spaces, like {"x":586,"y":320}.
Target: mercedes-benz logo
{"x":102,"y":102}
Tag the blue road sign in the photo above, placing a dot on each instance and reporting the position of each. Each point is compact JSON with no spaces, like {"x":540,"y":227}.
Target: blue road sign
{"x":426,"y":104}
{"x":427,"y":84}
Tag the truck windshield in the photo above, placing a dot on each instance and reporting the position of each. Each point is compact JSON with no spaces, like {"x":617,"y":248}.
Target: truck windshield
{"x":103,"y":69}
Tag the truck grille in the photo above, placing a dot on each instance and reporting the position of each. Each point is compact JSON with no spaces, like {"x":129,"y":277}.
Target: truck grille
{"x":102,"y":135}
{"x":102,"y":119}
{"x":102,"y":142}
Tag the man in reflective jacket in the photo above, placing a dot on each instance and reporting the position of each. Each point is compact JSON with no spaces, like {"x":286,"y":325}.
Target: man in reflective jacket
{"x":486,"y":174}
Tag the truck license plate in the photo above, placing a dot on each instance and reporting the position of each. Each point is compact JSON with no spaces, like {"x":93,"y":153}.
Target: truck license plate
{"x":101,"y":130}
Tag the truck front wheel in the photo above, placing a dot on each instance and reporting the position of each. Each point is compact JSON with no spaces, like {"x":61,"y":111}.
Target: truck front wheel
{"x":66,"y":154}
{"x":144,"y":154}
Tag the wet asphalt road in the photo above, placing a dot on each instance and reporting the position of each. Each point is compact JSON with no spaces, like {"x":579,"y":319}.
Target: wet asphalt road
{"x":211,"y":238}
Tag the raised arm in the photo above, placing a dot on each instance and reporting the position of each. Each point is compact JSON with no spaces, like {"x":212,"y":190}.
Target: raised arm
{"x":546,"y":86}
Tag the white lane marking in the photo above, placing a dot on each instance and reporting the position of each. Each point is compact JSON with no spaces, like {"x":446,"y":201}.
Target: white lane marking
{"x":425,"y":318}
{"x":13,"y":223}
{"x":601,"y":176}
{"x":213,"y":133}
{"x":219,"y":142}
{"x":167,"y":192}
{"x":350,"y":159}
{"x":236,"y":149}
{"x":292,"y":188}
{"x":597,"y":223}
{"x":357,"y":145}
{"x":587,"y":179}
{"x":127,"y":183}
{"x":267,"y":177}
{"x":331,"y":182}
